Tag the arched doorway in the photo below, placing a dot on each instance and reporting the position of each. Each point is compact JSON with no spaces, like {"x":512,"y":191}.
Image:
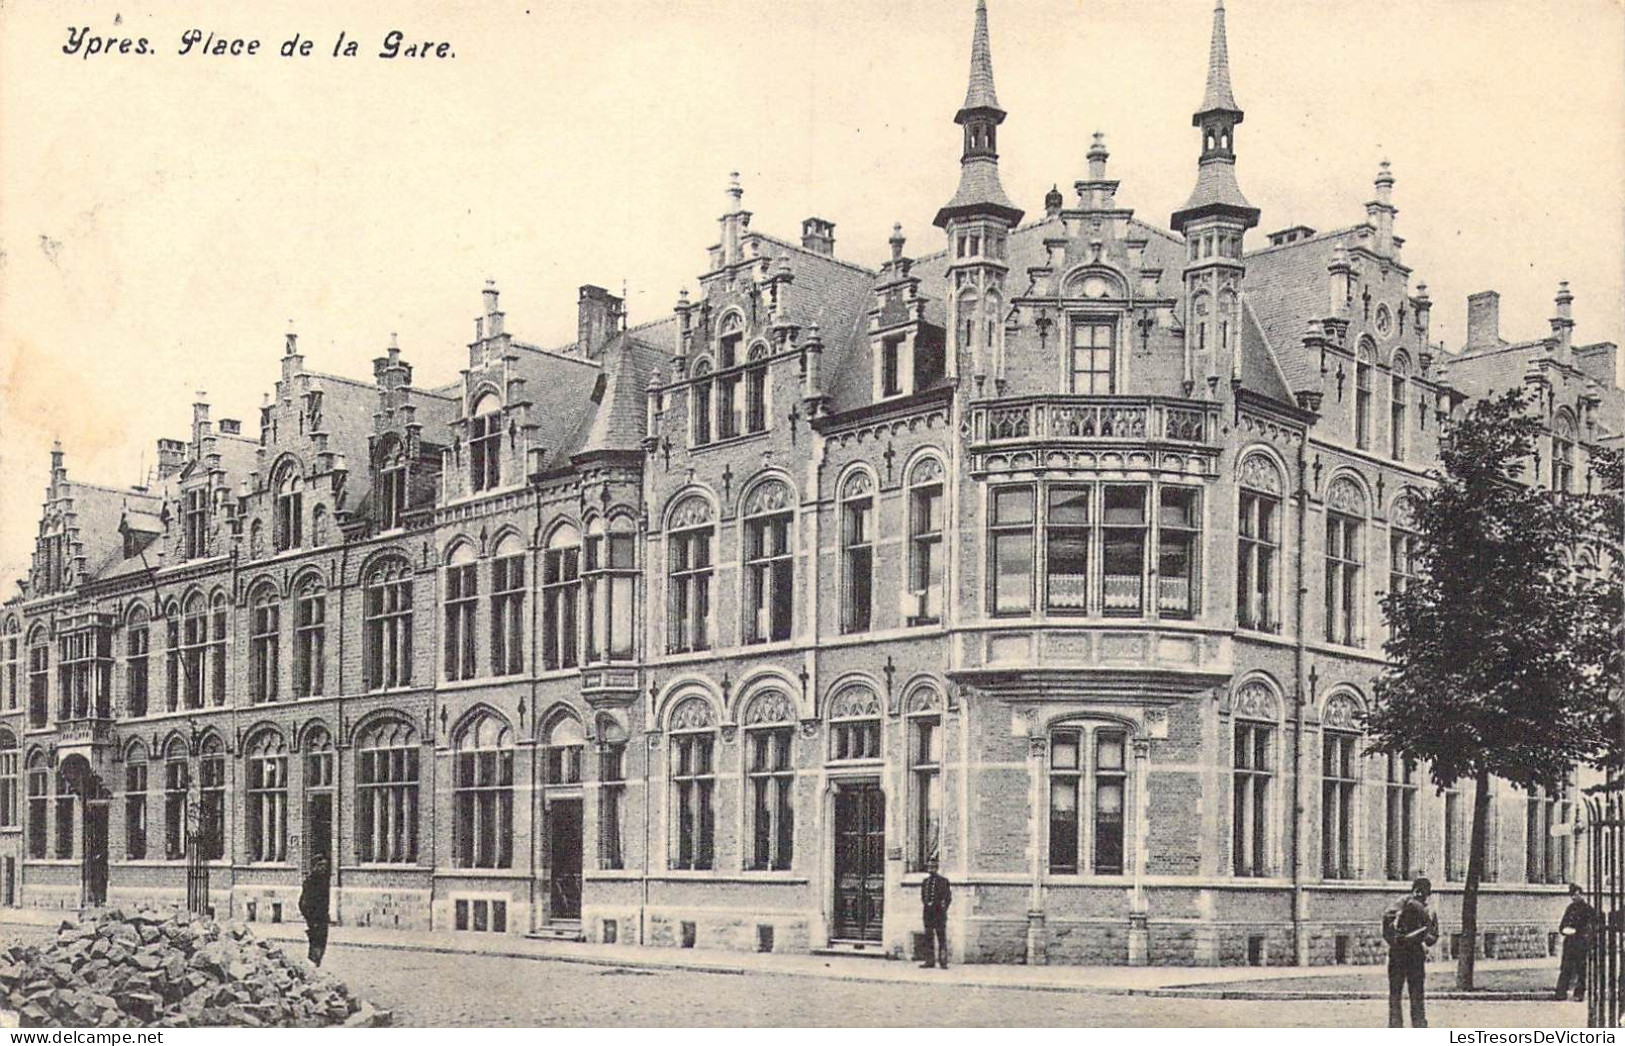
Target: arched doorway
{"x":94,"y":797}
{"x":565,"y":742}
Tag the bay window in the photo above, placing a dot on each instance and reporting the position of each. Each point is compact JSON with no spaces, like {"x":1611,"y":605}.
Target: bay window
{"x":1010,"y":549}
{"x":1176,"y":552}
{"x":610,"y":580}
{"x":1123,"y":539}
{"x":1066,"y":550}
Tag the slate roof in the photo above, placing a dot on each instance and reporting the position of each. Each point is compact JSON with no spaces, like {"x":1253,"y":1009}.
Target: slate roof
{"x":1286,"y":286}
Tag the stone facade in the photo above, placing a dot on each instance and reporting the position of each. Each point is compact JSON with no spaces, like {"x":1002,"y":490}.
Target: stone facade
{"x":1052,"y":555}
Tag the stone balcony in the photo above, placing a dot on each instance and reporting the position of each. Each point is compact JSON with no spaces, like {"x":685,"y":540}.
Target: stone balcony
{"x":1109,"y":432}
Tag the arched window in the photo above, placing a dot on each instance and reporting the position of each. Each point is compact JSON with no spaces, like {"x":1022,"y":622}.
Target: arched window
{"x":63,"y":816}
{"x":217,"y":649}
{"x":1563,"y":453}
{"x":611,"y":582}
{"x":756,"y":390}
{"x":266,"y":798}
{"x":482,"y":830}
{"x":1254,"y":713}
{"x":693,"y":779}
{"x":1399,"y":835}
{"x":39,"y":678}
{"x":135,"y":803}
{"x":211,"y":794}
{"x":925,"y":552}
{"x":1345,"y":523}
{"x":966,"y":315}
{"x":1363,"y":364}
{"x":854,"y":725}
{"x":769,"y":563}
{"x":8,"y":779}
{"x":1088,"y":785}
{"x":690,"y":541}
{"x":173,"y":661}
{"x":561,"y":597}
{"x":857,"y":552}
{"x":309,"y":638}
{"x":1402,"y":544}
{"x":924,"y":716}
{"x":508,"y":607}
{"x":1340,"y":779}
{"x":10,"y":665}
{"x":177,"y":789}
{"x":288,"y":526}
{"x":1398,"y":407}
{"x":264,"y":644}
{"x":565,"y":740}
{"x":391,"y":483}
{"x":137,"y":647}
{"x":196,"y":516}
{"x":388,"y":625}
{"x":770,"y":777}
{"x":611,"y":791}
{"x":319,"y":787}
{"x":727,"y":380}
{"x":39,"y":802}
{"x":462,"y":605}
{"x":194,"y":651}
{"x":386,"y":793}
{"x":699,"y":402}
{"x":1258,"y":544}
{"x":485,"y":443}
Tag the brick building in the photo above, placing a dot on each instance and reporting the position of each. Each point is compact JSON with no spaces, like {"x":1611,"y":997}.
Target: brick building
{"x":1053,"y":552}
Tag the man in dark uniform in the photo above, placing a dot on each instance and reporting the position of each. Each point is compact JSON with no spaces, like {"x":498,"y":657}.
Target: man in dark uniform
{"x":1410,"y":927}
{"x":313,"y":906}
{"x":935,"y":897}
{"x":1578,"y":919}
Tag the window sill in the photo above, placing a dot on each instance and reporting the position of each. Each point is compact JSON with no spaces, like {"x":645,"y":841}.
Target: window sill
{"x":727,"y":442}
{"x":475,"y":873}
{"x":388,"y":866}
{"x":466,"y":684}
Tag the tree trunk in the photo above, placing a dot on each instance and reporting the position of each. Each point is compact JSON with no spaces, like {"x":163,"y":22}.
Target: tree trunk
{"x":1467,"y":954}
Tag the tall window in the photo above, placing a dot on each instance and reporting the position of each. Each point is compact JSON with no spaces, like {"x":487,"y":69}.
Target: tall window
{"x":561,"y":596}
{"x":699,"y":398}
{"x":462,"y":605}
{"x":9,"y":764}
{"x":756,"y":390}
{"x":691,"y":564}
{"x":1253,"y":755}
{"x":857,"y":553}
{"x":1123,"y":540}
{"x":769,"y":564}
{"x":1401,"y":816}
{"x":1397,"y":409}
{"x":193,"y":651}
{"x":565,"y":741}
{"x":1258,"y":550}
{"x":891,"y":366}
{"x":611,"y":795}
{"x":391,"y":485}
{"x":770,"y":780}
{"x":1342,"y":579}
{"x":85,"y":674}
{"x":217,"y":650}
{"x":64,"y":817}
{"x":1362,"y":397}
{"x":1094,"y":348}
{"x":925,"y":781}
{"x":211,"y":796}
{"x":1546,"y":855}
{"x":135,"y":805}
{"x":508,"y":608}
{"x":387,"y":794}
{"x":174,"y":659}
{"x":1401,"y":557}
{"x":309,"y":639}
{"x":320,"y":792}
{"x":693,"y":779}
{"x":177,"y":785}
{"x":1087,"y":771}
{"x":197,"y":522}
{"x":854,"y":725}
{"x":925,"y":551}
{"x":1066,"y":550}
{"x":485,"y":444}
{"x":1563,"y":454}
{"x":1338,"y":772}
{"x":482,"y":835}
{"x":10,"y":666}
{"x":1456,"y":835}
{"x":39,"y":679}
{"x":727,"y":380}
{"x":39,"y":799}
{"x":264,"y":644}
{"x":611,"y":584}
{"x":388,"y":599}
{"x":288,"y":531}
{"x":1177,"y":527}
{"x":137,"y":639}
{"x":1010,"y":549}
{"x":266,"y":799}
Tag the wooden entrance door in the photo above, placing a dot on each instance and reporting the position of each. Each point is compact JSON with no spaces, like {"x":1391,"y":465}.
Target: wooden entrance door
{"x":564,"y":859}
{"x":860,"y":861}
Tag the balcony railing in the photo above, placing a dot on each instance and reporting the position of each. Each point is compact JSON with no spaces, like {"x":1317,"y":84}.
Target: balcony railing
{"x":1094,"y":419}
{"x":94,"y":731}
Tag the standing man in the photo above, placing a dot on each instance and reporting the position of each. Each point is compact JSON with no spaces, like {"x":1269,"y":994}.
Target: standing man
{"x":935,"y":897}
{"x":1578,"y":919}
{"x":313,"y":906}
{"x":1410,"y":927}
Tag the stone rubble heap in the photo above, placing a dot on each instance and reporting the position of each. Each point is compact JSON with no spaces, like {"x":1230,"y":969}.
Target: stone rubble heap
{"x":165,"y":968}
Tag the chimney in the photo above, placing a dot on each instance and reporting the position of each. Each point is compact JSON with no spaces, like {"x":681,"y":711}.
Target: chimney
{"x":818,"y":236}
{"x":598,"y":318}
{"x":1563,"y":322}
{"x":230,"y":427}
{"x":1483,"y":319}
{"x":171,"y":458}
{"x":200,"y":418}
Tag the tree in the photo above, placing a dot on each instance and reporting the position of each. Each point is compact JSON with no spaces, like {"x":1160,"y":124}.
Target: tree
{"x":1499,"y":648}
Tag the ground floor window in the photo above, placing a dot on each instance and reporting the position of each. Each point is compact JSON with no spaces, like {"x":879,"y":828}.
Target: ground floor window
{"x":481,"y":914}
{"x":1088,"y":782}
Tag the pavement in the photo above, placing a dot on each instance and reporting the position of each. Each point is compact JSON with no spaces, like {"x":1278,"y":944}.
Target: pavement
{"x":1191,"y":982}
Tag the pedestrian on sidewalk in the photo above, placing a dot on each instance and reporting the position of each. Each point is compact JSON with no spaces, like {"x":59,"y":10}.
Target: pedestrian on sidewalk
{"x":1578,"y":920}
{"x":1410,"y":927}
{"x":935,"y":897}
{"x":313,"y":901}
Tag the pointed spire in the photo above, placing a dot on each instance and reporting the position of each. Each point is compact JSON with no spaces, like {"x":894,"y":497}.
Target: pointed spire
{"x":1218,"y":96}
{"x":980,"y":94}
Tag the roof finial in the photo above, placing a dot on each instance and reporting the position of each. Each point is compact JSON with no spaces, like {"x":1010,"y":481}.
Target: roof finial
{"x":979,"y":94}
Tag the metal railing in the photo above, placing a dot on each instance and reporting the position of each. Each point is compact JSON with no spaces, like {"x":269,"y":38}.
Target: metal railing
{"x":1605,"y":853}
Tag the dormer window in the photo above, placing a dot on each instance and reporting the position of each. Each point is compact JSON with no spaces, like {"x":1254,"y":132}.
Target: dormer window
{"x":1094,"y":351}
{"x":756,"y":390}
{"x":891,"y":366}
{"x":391,"y":486}
{"x":485,"y":444}
{"x":197,"y":523}
{"x":288,"y":529}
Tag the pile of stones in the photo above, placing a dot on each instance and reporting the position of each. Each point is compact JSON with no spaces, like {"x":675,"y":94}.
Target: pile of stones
{"x":166,"y":968}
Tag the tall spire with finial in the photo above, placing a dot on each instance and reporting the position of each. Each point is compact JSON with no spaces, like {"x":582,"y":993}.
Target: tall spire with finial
{"x":1216,"y":190}
{"x":980,"y":193}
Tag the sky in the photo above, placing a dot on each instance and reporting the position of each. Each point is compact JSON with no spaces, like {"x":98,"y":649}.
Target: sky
{"x":164,"y":218}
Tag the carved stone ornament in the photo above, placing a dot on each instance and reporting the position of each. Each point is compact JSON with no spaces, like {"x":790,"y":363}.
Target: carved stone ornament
{"x":771,"y":496}
{"x":925,"y":700}
{"x":1255,"y":701}
{"x":1403,"y":514}
{"x":692,"y":511}
{"x":859,"y":484}
{"x":1345,"y":495}
{"x":1342,"y":712}
{"x":771,"y":707}
{"x":926,"y":470}
{"x":855,"y":702}
{"x":1260,"y":473}
{"x":1037,"y":746}
{"x":693,"y":714}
